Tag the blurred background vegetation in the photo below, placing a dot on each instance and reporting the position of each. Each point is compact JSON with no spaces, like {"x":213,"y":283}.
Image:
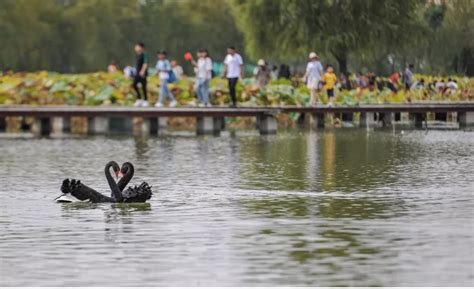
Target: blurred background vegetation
{"x":73,"y":36}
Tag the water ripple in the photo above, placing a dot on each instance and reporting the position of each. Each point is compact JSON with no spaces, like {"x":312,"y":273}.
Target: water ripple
{"x":332,"y":208}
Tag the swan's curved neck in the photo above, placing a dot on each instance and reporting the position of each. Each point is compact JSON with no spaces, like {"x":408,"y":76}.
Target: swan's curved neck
{"x":117,"y":195}
{"x":123,"y":182}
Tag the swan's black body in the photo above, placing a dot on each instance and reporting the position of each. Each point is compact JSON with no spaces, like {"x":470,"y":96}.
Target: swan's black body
{"x":74,"y":191}
{"x":81,"y":192}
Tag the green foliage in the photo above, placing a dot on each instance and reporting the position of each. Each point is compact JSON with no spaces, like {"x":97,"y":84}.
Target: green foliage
{"x":86,"y":35}
{"x":434,"y":15}
{"x":450,"y":46}
{"x":292,"y":28}
{"x":43,"y":88}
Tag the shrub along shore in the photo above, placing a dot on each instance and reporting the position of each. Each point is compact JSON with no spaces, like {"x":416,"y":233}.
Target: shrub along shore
{"x":45,"y":88}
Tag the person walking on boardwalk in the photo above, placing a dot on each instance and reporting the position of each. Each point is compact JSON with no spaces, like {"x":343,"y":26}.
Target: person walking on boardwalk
{"x":314,"y":72}
{"x":203,"y":76}
{"x":408,"y":77}
{"x":393,"y":82}
{"x":141,"y":74}
{"x":177,"y":69}
{"x":233,"y":69}
{"x":330,"y":80}
{"x":262,"y":74}
{"x":163,"y":68}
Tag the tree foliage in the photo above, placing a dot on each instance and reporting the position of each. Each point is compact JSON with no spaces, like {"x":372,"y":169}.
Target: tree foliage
{"x":335,"y":27}
{"x":85,"y":35}
{"x":450,"y":44}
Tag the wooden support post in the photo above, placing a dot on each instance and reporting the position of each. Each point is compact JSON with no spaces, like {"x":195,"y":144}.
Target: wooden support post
{"x":220,"y":123}
{"x":3,"y":124}
{"x":162,"y":122}
{"x":452,"y":116}
{"x":206,"y":125}
{"x":41,"y":126}
{"x":466,"y":119}
{"x":267,"y":124}
{"x":98,"y":125}
{"x":58,"y":126}
{"x":154,"y":128}
{"x":156,"y":124}
{"x":404,"y":117}
{"x":367,"y":120}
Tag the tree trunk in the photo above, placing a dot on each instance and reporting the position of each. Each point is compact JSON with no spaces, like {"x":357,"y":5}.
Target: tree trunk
{"x":467,"y":61}
{"x":342,"y":62}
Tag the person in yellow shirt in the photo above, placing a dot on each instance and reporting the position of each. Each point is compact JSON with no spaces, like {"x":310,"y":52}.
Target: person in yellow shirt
{"x":330,"y":80}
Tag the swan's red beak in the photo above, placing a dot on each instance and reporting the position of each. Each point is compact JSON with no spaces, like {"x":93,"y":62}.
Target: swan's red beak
{"x":117,"y":174}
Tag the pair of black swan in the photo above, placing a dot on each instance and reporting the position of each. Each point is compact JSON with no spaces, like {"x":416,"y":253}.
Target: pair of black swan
{"x":75,"y":191}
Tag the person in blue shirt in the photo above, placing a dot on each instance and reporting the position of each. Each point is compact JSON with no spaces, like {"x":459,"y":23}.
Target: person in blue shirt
{"x":408,"y":77}
{"x":163,"y":68}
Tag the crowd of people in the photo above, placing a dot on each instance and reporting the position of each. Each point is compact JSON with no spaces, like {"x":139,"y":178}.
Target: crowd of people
{"x":397,"y":81}
{"x":170,"y":72}
{"x":318,"y":78}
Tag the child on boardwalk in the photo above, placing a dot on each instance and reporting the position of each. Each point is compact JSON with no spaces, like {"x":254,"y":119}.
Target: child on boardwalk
{"x":330,"y":80}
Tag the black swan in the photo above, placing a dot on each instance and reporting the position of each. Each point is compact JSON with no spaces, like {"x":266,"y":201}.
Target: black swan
{"x":137,"y":194}
{"x":75,"y":191}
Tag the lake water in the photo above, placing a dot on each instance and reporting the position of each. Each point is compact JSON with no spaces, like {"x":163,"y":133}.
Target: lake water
{"x":325,"y":208}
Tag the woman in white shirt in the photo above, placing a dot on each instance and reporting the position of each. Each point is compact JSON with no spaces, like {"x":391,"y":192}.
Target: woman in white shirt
{"x":313,"y":75}
{"x":203,"y":76}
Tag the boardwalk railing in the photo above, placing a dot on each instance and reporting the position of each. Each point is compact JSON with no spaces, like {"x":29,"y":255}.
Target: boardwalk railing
{"x":210,"y":120}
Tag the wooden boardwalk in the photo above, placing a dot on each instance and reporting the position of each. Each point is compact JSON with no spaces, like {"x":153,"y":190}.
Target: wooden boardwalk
{"x":122,"y":111}
{"x":51,"y":119}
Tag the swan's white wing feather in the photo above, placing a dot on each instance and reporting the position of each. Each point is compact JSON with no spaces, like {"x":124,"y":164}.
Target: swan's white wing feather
{"x":68,"y":198}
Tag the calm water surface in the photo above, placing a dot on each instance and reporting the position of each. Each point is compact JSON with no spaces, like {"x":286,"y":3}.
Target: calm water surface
{"x":324,"y":208}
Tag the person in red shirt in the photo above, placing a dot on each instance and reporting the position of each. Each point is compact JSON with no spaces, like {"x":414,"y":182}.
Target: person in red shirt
{"x":393,"y":82}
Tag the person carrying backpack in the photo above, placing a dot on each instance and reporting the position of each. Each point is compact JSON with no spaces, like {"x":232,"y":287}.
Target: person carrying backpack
{"x":163,"y":68}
